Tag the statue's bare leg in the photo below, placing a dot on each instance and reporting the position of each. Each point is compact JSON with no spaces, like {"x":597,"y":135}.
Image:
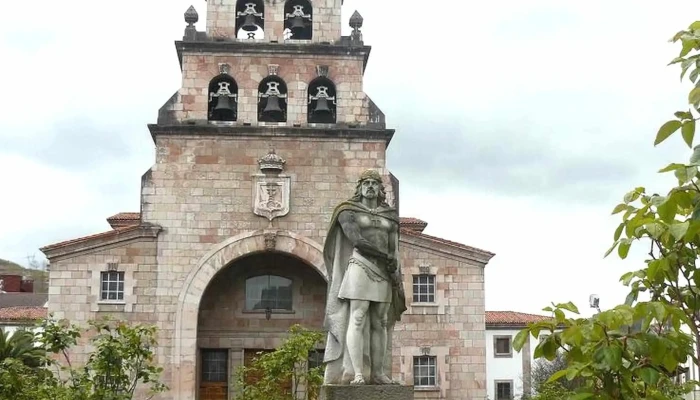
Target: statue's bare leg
{"x":355,"y":337}
{"x":378,"y":319}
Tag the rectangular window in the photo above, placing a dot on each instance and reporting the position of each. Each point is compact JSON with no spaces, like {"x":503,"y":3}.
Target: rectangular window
{"x":424,"y":288}
{"x":425,"y":371}
{"x":502,"y":346}
{"x":504,"y":390}
{"x":214,"y":365}
{"x":112,"y":285}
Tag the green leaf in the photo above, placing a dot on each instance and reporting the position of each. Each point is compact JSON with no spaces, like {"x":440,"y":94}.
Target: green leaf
{"x":557,"y":375}
{"x":610,"y":250}
{"x":683,"y":115}
{"x":655,"y":229}
{"x":694,"y":96}
{"x":624,"y":248}
{"x":619,"y":208}
{"x":684,"y":175}
{"x":694,"y":75}
{"x":631,"y":298}
{"x":667,"y":130}
{"x":667,"y":211}
{"x":649,"y":375}
{"x":695,"y":157}
{"x":520,"y":339}
{"x":679,"y":230}
{"x":618,"y":231}
{"x":688,"y":130}
{"x":612,"y":356}
{"x":694,"y":26}
{"x":696,"y":213}
{"x":580,"y":396}
{"x":568,"y":306}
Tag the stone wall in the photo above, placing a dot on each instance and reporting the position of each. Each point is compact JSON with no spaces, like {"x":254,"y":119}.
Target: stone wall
{"x":74,"y":292}
{"x":452,"y":329}
{"x":345,"y":71}
{"x":221,"y":21}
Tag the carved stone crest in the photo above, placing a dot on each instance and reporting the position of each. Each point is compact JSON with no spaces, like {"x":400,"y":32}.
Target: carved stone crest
{"x":270,"y":240}
{"x":271,"y":189}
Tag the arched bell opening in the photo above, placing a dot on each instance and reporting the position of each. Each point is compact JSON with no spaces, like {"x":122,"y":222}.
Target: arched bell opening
{"x":298,"y":20}
{"x":248,"y":307}
{"x":250,"y":19}
{"x":322,"y":106}
{"x":223,"y":99}
{"x":272,"y":100}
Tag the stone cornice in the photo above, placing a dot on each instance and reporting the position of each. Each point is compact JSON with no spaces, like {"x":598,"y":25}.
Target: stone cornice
{"x":269,"y":131}
{"x":445,"y":247}
{"x":268,"y":48}
{"x":55,"y":252}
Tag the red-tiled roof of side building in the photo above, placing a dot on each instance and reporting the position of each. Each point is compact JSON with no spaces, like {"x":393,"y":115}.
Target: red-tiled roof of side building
{"x":512,"y":318}
{"x":102,"y":235}
{"x":12,"y":314}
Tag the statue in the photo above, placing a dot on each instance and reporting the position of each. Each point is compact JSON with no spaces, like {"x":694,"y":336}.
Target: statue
{"x":365,"y":286}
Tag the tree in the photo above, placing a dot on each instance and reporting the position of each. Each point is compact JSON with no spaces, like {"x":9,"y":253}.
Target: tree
{"x":543,"y":369}
{"x":20,"y":346}
{"x":284,"y":373}
{"x":614,"y":359}
{"x":122,"y":360}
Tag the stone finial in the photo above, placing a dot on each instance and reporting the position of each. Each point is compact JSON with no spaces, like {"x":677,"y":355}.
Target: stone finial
{"x":224,"y":69}
{"x":322,"y":70}
{"x":271,"y":163}
{"x":273,"y":69}
{"x":191,"y":16}
{"x":356,"y":20}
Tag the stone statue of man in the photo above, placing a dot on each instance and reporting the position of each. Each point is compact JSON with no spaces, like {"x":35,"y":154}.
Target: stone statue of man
{"x":365,"y":286}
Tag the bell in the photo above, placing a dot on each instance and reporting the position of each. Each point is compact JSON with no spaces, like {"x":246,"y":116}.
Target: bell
{"x":322,"y":106}
{"x":249,"y":24}
{"x":272,"y":111}
{"x":224,"y":110}
{"x":297,"y":25}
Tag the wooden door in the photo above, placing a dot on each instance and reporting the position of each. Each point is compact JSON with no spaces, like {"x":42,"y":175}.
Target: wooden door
{"x":214,"y":374}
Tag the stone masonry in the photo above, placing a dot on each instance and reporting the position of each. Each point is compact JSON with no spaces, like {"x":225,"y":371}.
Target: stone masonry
{"x":196,"y":239}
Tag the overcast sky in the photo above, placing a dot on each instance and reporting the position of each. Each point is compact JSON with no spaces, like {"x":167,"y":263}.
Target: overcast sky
{"x":520,"y":124}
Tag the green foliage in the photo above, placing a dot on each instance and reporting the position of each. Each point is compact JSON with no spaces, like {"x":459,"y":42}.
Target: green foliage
{"x":121,"y":360}
{"x":552,"y":391}
{"x":634,"y":350}
{"x":283,"y":373}
{"x":19,"y":346}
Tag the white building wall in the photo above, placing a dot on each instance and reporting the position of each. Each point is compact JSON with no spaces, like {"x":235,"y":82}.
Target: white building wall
{"x":501,"y":368}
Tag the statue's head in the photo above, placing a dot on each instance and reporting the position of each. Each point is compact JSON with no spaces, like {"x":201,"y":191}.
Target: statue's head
{"x":370,"y":186}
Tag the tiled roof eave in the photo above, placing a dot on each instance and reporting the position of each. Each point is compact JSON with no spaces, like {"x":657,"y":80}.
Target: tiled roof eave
{"x":92,"y":242}
{"x":446,"y":246}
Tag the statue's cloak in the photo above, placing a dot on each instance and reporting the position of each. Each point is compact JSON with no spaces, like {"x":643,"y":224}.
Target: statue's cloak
{"x":336,"y":253}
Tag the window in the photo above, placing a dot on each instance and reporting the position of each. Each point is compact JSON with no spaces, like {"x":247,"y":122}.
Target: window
{"x":425,"y":371}
{"x":112,"y":285}
{"x":268,"y":291}
{"x":504,"y":390}
{"x":501,"y":346}
{"x":424,"y":288}
{"x":214,"y":365}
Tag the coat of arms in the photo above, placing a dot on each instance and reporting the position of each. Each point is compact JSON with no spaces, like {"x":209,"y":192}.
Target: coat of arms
{"x":271,"y":189}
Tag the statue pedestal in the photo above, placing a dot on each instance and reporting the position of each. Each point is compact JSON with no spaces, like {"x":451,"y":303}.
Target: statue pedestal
{"x":366,"y":392}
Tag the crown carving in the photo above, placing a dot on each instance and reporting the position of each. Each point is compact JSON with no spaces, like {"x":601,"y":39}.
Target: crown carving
{"x":271,"y":163}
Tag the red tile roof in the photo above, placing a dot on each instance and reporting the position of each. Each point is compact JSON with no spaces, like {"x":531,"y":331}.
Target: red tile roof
{"x":102,"y":235}
{"x":436,"y":239}
{"x":413,"y":224}
{"x":124,"y":219}
{"x":22,"y":313}
{"x":512,"y":318}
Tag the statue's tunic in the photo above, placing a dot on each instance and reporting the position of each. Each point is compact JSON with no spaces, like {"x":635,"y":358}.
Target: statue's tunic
{"x":346,"y":268}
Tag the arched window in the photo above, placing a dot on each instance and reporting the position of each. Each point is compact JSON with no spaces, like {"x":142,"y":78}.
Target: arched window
{"x":223,"y":98}
{"x":298,"y":17}
{"x":250,"y":22}
{"x":322,"y":101}
{"x":272,"y":100}
{"x":268,"y":291}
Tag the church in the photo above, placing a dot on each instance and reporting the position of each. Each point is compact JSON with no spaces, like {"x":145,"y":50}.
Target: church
{"x":268,"y":132}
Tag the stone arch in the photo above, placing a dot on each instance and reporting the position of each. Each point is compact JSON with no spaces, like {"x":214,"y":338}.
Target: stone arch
{"x":223,"y":254}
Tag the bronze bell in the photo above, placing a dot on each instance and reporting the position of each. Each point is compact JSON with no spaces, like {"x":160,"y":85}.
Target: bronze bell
{"x":224,"y":109}
{"x":249,"y":24}
{"x":322,"y":106}
{"x":272,"y":111}
{"x":297,"y":25}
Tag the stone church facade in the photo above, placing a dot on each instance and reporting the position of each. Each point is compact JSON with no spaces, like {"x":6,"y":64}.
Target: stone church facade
{"x":268,"y":133}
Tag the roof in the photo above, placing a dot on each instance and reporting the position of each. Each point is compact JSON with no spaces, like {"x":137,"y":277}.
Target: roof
{"x":413,"y":224}
{"x":101,"y":235}
{"x":512,"y":318}
{"x":22,"y":313}
{"x":23,"y":300}
{"x":438,"y":240}
{"x":124,"y":219}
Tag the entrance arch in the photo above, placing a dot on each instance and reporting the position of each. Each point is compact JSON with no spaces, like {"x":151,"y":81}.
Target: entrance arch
{"x":185,"y":336}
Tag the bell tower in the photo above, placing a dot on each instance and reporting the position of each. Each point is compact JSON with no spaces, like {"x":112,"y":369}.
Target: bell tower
{"x":268,"y":83}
